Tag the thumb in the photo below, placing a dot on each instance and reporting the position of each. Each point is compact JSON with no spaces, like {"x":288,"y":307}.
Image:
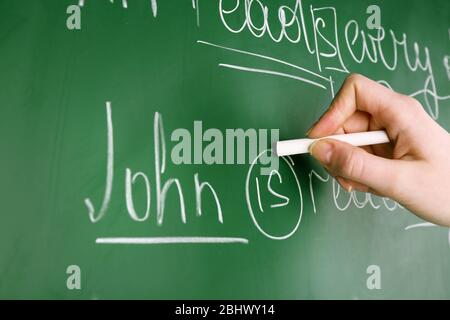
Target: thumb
{"x":353,"y":163}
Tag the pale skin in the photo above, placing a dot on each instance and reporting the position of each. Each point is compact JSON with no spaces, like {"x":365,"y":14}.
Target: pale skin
{"x":414,"y":169}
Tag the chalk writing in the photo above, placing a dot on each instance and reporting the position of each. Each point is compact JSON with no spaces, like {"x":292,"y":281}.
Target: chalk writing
{"x":332,"y":45}
{"x":162,"y":188}
{"x":322,"y":41}
{"x":154,"y":7}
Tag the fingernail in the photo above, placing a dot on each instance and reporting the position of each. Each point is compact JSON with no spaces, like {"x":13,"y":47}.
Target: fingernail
{"x":322,"y":151}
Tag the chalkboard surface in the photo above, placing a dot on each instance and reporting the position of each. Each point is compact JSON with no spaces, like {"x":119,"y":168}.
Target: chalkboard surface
{"x":120,"y":179}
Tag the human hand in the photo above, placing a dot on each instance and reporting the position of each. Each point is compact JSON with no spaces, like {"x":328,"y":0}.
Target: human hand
{"x":414,"y":169}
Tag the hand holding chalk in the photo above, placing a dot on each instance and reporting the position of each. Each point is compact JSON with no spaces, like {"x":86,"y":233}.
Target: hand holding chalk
{"x":413,"y":169}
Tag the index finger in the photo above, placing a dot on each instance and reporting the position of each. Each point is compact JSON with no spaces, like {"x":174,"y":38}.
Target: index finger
{"x":360,"y":93}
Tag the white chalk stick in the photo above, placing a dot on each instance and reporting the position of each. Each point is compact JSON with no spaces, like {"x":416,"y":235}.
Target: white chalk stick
{"x":297,"y":146}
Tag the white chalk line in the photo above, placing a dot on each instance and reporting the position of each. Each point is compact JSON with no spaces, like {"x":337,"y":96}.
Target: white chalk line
{"x":197,"y":8}
{"x":426,"y":225}
{"x":264,"y":57}
{"x":274,"y":73}
{"x":420,"y":225}
{"x":169,"y":240}
{"x":153,"y":4}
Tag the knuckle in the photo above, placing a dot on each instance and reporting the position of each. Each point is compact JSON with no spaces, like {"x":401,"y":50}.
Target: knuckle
{"x":396,"y":183}
{"x":352,"y":164}
{"x":357,"y":81}
{"x":408,"y":110}
{"x":416,"y":105}
{"x":354,"y":77}
{"x":412,"y":103}
{"x":359,"y":78}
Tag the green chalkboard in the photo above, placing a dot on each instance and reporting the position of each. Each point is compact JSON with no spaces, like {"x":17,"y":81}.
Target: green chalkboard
{"x":110,"y":111}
